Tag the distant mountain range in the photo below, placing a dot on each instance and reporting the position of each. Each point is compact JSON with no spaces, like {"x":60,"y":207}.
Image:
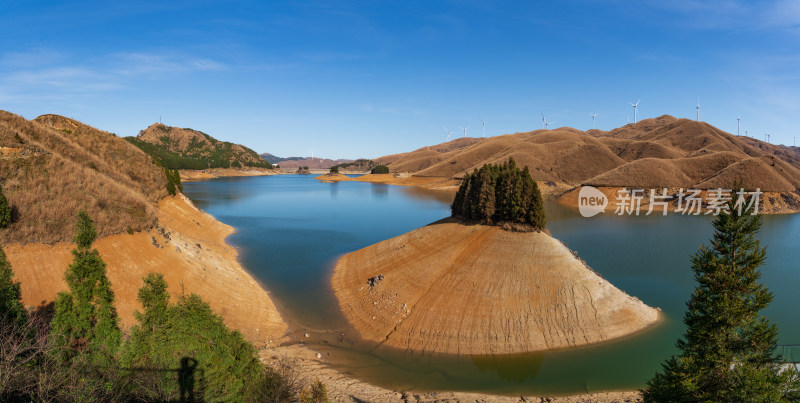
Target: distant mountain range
{"x":184,"y":148}
{"x":297,"y":162}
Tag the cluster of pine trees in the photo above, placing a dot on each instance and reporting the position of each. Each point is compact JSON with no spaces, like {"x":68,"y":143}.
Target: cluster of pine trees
{"x":178,"y":351}
{"x":380,"y":169}
{"x":500,"y":194}
{"x":174,"y":184}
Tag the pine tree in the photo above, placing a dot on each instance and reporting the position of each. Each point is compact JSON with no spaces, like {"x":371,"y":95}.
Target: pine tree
{"x":5,"y":210}
{"x":728,"y":351}
{"x":188,"y":330}
{"x":11,"y":309}
{"x":176,"y":178}
{"x":85,"y":319}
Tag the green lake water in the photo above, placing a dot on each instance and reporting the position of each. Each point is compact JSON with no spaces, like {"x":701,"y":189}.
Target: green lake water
{"x":291,"y":229}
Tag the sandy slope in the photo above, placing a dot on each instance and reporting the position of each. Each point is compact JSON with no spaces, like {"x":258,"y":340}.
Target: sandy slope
{"x":188,"y":248}
{"x":193,"y":175}
{"x":333,"y":177}
{"x":473,"y":289}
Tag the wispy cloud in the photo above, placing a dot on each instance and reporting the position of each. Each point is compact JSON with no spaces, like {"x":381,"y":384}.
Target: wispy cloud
{"x":45,"y":74}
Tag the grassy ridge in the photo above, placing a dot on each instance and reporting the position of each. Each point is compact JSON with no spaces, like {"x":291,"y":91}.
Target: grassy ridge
{"x":184,"y":148}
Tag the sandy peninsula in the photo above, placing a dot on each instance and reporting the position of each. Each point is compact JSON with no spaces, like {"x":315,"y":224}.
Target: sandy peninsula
{"x":188,"y":247}
{"x":473,"y":289}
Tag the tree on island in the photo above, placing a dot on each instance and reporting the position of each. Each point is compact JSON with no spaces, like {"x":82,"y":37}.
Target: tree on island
{"x":380,"y":169}
{"x":500,"y":194}
{"x":85,"y":319}
{"x":728,"y":351}
{"x":335,"y":169}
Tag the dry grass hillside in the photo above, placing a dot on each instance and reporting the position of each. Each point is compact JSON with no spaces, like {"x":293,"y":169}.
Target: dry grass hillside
{"x":184,"y":148}
{"x":53,"y":166}
{"x":653,"y":153}
{"x":474,"y":289}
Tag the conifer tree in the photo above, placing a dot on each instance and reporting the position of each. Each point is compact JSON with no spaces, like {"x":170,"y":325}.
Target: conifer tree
{"x":176,"y":178}
{"x":5,"y":210}
{"x":728,"y":351}
{"x":12,"y":311}
{"x":85,"y":318}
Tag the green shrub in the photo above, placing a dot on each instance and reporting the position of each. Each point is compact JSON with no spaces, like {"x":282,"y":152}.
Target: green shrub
{"x":335,"y":169}
{"x":500,"y":194}
{"x":188,"y":335}
{"x":380,"y":169}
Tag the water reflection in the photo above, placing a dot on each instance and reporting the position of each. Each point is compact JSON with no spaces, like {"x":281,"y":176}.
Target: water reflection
{"x":380,"y":190}
{"x":515,"y":368}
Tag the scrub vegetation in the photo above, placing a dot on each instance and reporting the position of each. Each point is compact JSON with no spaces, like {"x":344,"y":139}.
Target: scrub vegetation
{"x":178,"y":351}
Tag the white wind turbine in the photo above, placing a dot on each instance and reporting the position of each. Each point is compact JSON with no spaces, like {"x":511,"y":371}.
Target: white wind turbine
{"x":448,"y":132}
{"x":465,"y":130}
{"x":484,"y":128}
{"x":738,"y":124}
{"x":635,"y":109}
{"x":544,"y":122}
{"x":698,"y":109}
{"x":547,"y":125}
{"x":312,"y":154}
{"x":593,"y":115}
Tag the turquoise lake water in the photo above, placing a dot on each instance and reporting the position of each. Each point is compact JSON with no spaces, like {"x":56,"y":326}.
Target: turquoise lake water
{"x":291,"y":229}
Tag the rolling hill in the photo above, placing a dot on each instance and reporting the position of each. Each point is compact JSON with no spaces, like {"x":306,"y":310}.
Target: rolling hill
{"x":183,"y":148}
{"x":53,"y":166}
{"x":653,"y":153}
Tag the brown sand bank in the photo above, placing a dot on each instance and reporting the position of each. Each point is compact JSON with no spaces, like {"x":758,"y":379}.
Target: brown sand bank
{"x":333,"y":177}
{"x":473,"y":289}
{"x":188,"y":175}
{"x":188,"y":247}
{"x":342,"y":387}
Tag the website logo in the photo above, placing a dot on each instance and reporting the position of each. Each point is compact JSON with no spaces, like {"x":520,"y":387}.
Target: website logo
{"x":591,"y":201}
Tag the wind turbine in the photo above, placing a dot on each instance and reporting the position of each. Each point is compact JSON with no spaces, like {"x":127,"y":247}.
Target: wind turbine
{"x":544,"y":122}
{"x":484,"y":128}
{"x":448,"y":133}
{"x":547,"y":125}
{"x":738,"y":124}
{"x":593,"y":115}
{"x":794,"y":142}
{"x":465,"y":130}
{"x":312,"y":154}
{"x":698,"y":109}
{"x":635,"y":109}
{"x":766,"y":137}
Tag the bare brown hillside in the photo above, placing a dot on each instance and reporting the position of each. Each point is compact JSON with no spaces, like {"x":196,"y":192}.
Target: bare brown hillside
{"x":474,"y":289}
{"x":653,"y":153}
{"x":54,"y":166}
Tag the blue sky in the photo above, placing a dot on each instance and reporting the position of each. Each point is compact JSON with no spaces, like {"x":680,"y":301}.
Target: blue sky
{"x":364,"y":79}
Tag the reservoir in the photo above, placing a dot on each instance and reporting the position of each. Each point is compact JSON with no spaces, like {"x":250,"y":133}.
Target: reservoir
{"x":291,"y":229}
